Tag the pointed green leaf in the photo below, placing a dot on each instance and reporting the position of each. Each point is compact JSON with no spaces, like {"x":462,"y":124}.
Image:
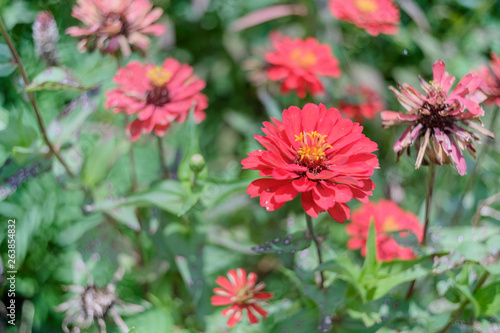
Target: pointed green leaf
{"x":55,"y":78}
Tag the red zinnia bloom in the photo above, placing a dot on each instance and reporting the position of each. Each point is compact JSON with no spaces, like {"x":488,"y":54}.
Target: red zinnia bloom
{"x":115,"y":24}
{"x":375,"y":16}
{"x":361,"y":103}
{"x":241,"y":293}
{"x":158,"y":95}
{"x":318,"y":153}
{"x":434,"y":118}
{"x":298,"y":63}
{"x":388,"y":217}
{"x":491,"y":80}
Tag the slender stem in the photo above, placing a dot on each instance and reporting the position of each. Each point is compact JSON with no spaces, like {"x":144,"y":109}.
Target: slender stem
{"x":310,"y":228}
{"x":31,"y":96}
{"x":472,"y":177}
{"x":164,"y":168}
{"x":457,"y":313}
{"x":431,"y":176}
{"x":133,"y":172}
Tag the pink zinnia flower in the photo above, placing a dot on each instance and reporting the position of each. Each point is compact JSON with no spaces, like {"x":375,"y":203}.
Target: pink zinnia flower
{"x":491,"y":80}
{"x":388,"y":217}
{"x":434,"y":120}
{"x":315,"y":152}
{"x":158,"y":95}
{"x":298,"y":64}
{"x":362,"y":103}
{"x":375,"y":16}
{"x":115,"y":24}
{"x":240,"y":292}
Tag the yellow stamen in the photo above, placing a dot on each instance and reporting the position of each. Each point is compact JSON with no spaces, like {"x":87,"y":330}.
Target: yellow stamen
{"x":366,"y":6}
{"x":158,"y":76}
{"x":390,"y":225}
{"x":303,"y":58}
{"x":313,"y":148}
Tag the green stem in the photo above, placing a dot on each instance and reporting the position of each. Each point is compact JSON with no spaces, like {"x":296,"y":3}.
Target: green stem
{"x":31,"y":96}
{"x":133,"y":172}
{"x":310,"y":228}
{"x":164,"y":168}
{"x":431,"y":176}
{"x":457,"y":313}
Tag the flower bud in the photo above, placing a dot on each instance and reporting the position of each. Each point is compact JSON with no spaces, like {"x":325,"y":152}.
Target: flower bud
{"x":46,"y":36}
{"x":197,"y":163}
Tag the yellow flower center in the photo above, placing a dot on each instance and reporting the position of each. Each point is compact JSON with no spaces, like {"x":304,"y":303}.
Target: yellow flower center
{"x":303,"y":58}
{"x":390,"y":225}
{"x":366,"y":6}
{"x":313,"y":148}
{"x":244,"y":295}
{"x":158,"y":76}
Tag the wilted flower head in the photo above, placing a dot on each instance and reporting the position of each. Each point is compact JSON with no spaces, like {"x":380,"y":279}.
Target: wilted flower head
{"x":491,"y":80}
{"x":298,"y":64}
{"x":315,"y":152}
{"x":113,"y":25}
{"x":92,"y":304}
{"x":434,"y":120}
{"x":240,"y":292}
{"x":158,"y":95}
{"x":361,"y":103}
{"x":45,"y":37}
{"x":388,"y":217}
{"x":375,"y":16}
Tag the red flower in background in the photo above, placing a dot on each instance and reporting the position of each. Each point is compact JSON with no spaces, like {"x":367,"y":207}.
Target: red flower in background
{"x":115,"y":24}
{"x":240,"y":292}
{"x":491,"y":80}
{"x":315,"y":152}
{"x":362,"y":103}
{"x":388,"y":217}
{"x":434,"y":119}
{"x":375,"y":16}
{"x":298,"y":63}
{"x":158,"y":95}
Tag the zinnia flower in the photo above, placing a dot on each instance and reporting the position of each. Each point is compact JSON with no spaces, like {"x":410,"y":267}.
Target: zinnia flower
{"x":298,"y":63}
{"x":240,"y":292}
{"x":375,"y":16}
{"x":362,"y":103}
{"x":434,"y":120}
{"x":491,"y":80}
{"x":158,"y":95}
{"x":317,"y":153}
{"x":115,"y":24}
{"x":388,"y":217}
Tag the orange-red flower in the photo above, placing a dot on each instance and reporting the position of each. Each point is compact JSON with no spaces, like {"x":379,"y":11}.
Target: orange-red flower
{"x":113,"y":25}
{"x":297,"y":64}
{"x":240,"y":292}
{"x":491,"y":80}
{"x":361,"y":103}
{"x":388,"y":218}
{"x":315,"y":152}
{"x":375,"y":16}
{"x":158,"y":95}
{"x":434,"y":120}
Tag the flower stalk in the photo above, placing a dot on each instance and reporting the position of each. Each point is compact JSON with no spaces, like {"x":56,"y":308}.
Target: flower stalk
{"x":31,"y":96}
{"x":165,"y":174}
{"x":312,"y":233}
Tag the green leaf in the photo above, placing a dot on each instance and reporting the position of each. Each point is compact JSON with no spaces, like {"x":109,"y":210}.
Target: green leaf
{"x":56,"y":78}
{"x":17,"y":12}
{"x":169,"y":195}
{"x":156,"y":320}
{"x":370,"y":265}
{"x":6,"y":64}
{"x":304,"y":321}
{"x":288,"y":244}
{"x":488,"y":299}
